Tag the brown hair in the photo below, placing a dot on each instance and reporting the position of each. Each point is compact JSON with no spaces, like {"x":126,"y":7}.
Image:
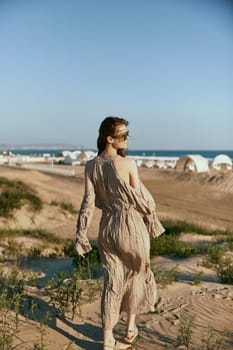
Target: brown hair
{"x":108,"y":128}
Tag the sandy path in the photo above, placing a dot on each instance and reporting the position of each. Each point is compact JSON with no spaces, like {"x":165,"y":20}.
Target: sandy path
{"x":211,"y":304}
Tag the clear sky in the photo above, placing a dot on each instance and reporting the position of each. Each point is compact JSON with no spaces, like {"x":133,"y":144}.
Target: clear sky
{"x":164,"y":65}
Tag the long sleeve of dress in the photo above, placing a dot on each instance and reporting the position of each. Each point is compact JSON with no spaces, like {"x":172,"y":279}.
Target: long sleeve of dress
{"x":145,"y":204}
{"x":151,"y":221}
{"x":82,"y":245}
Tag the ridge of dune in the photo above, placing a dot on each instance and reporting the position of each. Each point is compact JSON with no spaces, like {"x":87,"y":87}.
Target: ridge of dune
{"x":223,"y":181}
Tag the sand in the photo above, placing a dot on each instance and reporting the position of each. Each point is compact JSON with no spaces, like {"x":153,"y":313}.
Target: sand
{"x":191,"y":198}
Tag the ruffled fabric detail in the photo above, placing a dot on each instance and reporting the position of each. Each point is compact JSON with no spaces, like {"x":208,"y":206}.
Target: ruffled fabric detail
{"x":153,"y":225}
{"x":144,"y":203}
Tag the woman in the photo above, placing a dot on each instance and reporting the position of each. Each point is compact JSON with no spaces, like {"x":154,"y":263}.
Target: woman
{"x":128,"y":220}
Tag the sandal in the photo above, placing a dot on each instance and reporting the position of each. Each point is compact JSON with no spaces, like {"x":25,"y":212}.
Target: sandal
{"x":132,"y":337}
{"x":118,"y":346}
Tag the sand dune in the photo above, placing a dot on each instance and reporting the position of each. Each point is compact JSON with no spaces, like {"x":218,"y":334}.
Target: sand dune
{"x":185,"y":197}
{"x":222,"y":181}
{"x":192,"y":198}
{"x":178,"y":196}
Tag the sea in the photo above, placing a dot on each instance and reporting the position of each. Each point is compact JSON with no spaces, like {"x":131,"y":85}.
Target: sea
{"x":209,"y":154}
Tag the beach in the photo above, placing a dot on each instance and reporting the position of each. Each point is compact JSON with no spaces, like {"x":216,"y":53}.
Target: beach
{"x":204,"y":200}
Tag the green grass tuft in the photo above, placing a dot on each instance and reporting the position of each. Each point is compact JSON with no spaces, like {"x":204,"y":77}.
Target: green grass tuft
{"x":14,"y":194}
{"x":45,"y":236}
{"x":170,"y":244}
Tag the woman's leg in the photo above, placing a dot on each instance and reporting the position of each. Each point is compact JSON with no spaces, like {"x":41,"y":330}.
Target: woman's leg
{"x":131,"y":323}
{"x":111,"y":297}
{"x":108,"y":339}
{"x":130,"y":327}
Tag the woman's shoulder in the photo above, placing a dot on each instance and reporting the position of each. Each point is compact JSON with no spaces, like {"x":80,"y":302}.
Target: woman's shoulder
{"x":125,"y":160}
{"x":127,"y":163}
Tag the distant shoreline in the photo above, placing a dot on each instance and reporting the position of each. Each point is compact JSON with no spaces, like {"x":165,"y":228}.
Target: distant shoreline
{"x":81,"y":147}
{"x":55,"y":150}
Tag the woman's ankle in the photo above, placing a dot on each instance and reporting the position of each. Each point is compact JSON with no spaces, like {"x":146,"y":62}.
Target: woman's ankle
{"x":130,"y":332}
{"x":109,"y":340}
{"x":108,"y":347}
{"x":131,"y":323}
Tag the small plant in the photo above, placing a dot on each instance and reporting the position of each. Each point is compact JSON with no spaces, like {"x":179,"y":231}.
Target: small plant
{"x":69,"y":248}
{"x":225,"y":270}
{"x":34,"y":252}
{"x":12,"y":304}
{"x":212,"y":341}
{"x":230,"y":245}
{"x":15,"y":280}
{"x":215,"y":254}
{"x":206,"y":263}
{"x":54,"y":203}
{"x":9,"y":318}
{"x":58,"y":293}
{"x":165,"y":277}
{"x":197,"y":278}
{"x":64,"y":292}
{"x":68,"y":207}
{"x":223,"y":264}
{"x":67,"y":293}
{"x":91,"y":288}
{"x":75,"y":293}
{"x":227,"y":239}
{"x":13,"y":251}
{"x":41,"y":326}
{"x":185,"y":331}
{"x":90,"y":267}
{"x":65,"y":206}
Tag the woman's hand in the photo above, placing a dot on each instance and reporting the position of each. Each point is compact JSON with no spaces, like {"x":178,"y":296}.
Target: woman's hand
{"x":82,"y":249}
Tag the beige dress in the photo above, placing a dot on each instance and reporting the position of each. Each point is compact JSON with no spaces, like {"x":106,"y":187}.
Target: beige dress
{"x":127,"y":223}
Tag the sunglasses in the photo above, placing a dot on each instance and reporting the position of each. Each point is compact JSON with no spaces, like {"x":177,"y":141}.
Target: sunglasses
{"x":122,"y":137}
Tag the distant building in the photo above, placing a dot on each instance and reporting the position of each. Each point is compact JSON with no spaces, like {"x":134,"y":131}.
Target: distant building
{"x":222,"y":162}
{"x":193,"y":162}
{"x":77,"y":157}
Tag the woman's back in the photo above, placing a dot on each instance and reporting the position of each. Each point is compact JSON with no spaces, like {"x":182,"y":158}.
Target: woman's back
{"x":124,"y":168}
{"x":108,"y":175}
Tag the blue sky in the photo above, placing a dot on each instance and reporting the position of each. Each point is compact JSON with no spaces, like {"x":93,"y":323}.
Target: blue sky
{"x":164,"y":65}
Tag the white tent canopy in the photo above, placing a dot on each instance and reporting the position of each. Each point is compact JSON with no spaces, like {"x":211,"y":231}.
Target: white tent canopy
{"x":192,"y":162}
{"x":222,"y":161}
